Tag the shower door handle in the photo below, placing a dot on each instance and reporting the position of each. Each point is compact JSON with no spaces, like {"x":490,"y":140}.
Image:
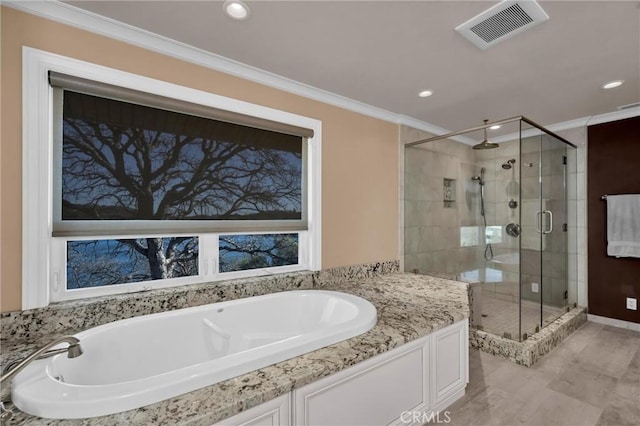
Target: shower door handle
{"x":538,"y":220}
{"x":538,"y":215}
{"x":550,"y":222}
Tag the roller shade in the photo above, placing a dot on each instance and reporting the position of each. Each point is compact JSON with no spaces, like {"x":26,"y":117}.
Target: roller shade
{"x":100,"y":175}
{"x":91,"y":87}
{"x":125,"y":114}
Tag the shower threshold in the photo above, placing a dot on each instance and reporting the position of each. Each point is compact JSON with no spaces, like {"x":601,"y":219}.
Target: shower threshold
{"x":529,"y":351}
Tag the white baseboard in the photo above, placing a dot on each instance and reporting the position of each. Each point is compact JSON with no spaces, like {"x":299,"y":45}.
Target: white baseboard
{"x":614,"y":322}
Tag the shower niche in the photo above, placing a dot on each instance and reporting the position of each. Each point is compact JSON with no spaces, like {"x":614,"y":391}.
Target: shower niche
{"x":496,"y":215}
{"x":449,"y":193}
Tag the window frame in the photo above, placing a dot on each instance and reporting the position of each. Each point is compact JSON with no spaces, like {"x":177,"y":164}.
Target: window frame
{"x":44,"y":257}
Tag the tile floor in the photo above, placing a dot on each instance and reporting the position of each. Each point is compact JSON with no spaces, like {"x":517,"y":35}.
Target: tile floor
{"x":592,"y":378}
{"x":500,"y":316}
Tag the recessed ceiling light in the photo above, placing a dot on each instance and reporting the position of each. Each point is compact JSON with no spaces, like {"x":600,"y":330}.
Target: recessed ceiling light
{"x":236,"y":9}
{"x":495,"y":127}
{"x":425,"y":93}
{"x":612,"y":84}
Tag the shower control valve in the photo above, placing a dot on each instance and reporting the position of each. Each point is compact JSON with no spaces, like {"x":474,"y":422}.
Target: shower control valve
{"x":513,"y":229}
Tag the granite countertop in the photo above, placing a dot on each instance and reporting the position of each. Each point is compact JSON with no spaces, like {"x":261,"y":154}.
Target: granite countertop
{"x":409,"y":306}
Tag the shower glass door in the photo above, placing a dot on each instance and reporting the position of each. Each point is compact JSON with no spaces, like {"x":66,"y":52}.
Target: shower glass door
{"x":532,"y":242}
{"x":544,"y":243}
{"x":554,"y":244}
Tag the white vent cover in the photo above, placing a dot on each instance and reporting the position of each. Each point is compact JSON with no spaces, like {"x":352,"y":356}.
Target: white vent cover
{"x":501,"y":22}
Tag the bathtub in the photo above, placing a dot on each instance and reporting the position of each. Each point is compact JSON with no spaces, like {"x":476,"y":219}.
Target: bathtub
{"x":135,"y":362}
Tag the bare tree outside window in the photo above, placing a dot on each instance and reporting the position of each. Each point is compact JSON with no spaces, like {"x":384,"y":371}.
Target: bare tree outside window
{"x":122,"y":161}
{"x":242,"y":252}
{"x":96,"y":263}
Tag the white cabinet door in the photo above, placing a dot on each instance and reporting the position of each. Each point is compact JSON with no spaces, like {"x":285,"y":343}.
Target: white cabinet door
{"x":449,"y":364}
{"x":374,"y":392}
{"x":276,"y":412}
{"x":406,"y":386}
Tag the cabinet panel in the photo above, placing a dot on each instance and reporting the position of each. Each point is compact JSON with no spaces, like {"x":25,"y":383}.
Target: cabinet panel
{"x":406,"y":386}
{"x":375,"y":392}
{"x":276,"y":412}
{"x":449,"y":358}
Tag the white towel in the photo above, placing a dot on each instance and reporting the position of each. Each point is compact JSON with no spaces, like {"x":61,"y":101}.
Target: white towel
{"x":623,"y":225}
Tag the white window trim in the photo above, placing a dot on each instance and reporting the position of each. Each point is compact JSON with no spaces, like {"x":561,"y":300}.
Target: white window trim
{"x":208,"y":267}
{"x":37,"y":161}
{"x":58,"y":273}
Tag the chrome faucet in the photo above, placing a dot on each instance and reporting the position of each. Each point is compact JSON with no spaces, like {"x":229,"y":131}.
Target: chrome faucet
{"x":73,"y":350}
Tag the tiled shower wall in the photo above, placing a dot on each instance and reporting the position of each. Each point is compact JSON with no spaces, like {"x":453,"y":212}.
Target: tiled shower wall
{"x":433,"y":227}
{"x":431,"y":237}
{"x":432,"y":231}
{"x":502,"y":186}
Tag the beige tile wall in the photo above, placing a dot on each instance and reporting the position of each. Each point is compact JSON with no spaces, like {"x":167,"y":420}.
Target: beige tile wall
{"x":577,"y":215}
{"x":426,"y":218}
{"x":430,"y":239}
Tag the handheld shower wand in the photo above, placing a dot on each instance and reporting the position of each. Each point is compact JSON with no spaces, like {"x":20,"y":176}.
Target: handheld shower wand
{"x":488,"y":250}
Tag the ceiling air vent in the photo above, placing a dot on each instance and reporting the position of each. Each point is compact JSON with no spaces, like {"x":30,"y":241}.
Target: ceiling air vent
{"x":501,"y":22}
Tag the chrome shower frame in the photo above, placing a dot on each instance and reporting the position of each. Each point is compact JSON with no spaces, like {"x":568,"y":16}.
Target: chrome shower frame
{"x":526,"y":129}
{"x":488,"y":253}
{"x":488,"y":124}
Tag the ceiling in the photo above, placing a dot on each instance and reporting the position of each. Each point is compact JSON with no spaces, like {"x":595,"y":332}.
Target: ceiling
{"x":383,"y":53}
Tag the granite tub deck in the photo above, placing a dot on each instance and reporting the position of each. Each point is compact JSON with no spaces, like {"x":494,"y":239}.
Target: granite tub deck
{"x":24,"y":331}
{"x":409,"y":307}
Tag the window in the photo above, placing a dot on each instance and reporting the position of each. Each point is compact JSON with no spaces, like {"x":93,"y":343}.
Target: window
{"x":470,"y":236}
{"x":243,"y":252}
{"x":493,"y":234}
{"x":148,"y":190}
{"x":98,"y":263}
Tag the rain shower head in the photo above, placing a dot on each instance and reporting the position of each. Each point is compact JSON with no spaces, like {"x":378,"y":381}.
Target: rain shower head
{"x":485,"y":144}
{"x":507,"y":165}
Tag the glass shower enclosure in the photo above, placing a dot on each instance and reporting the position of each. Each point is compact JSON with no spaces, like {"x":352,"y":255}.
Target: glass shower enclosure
{"x":500,"y":218}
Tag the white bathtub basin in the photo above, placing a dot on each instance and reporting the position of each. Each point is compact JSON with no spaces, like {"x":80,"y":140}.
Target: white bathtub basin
{"x":135,"y":362}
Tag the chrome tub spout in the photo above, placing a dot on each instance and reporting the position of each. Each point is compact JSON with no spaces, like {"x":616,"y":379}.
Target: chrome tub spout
{"x":73,"y":350}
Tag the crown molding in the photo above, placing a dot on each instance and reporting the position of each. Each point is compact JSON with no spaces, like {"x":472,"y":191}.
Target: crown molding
{"x":573,"y":124}
{"x":433,"y":129}
{"x":614,"y":116}
{"x":89,"y":21}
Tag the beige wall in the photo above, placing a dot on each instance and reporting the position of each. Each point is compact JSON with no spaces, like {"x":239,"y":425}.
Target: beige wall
{"x":359,"y":156}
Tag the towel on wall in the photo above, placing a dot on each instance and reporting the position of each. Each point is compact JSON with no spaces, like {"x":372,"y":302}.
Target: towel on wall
{"x":623,"y":225}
